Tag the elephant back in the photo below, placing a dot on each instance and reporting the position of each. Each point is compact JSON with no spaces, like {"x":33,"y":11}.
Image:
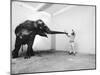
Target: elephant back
{"x":28,"y":25}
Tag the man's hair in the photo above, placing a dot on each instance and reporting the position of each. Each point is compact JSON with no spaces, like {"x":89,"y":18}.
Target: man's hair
{"x":73,"y":33}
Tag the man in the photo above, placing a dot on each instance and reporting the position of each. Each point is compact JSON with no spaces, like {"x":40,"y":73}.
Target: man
{"x":72,"y":43}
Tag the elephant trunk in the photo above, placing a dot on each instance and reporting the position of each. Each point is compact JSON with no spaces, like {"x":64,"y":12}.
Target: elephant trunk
{"x":56,"y":32}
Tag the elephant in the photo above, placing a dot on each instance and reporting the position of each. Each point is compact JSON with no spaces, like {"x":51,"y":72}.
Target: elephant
{"x":26,"y":32}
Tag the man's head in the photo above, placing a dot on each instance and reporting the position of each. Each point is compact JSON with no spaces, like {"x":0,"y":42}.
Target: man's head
{"x":73,"y":32}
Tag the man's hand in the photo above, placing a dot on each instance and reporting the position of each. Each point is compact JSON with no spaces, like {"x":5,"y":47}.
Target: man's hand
{"x":66,"y":33}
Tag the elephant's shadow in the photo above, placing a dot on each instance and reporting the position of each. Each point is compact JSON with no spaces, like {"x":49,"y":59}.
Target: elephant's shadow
{"x":37,"y":52}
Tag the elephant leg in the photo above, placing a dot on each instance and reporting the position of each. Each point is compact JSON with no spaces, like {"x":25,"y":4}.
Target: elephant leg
{"x":17,"y":47}
{"x":30,"y":51}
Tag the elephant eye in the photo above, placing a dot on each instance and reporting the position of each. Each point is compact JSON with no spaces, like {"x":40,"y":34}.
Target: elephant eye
{"x":40,"y":27}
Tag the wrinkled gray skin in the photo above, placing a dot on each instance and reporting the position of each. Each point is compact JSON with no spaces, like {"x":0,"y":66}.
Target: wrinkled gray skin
{"x":26,"y":32}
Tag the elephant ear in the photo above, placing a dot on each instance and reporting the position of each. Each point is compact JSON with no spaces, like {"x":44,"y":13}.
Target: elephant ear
{"x":42,"y":26}
{"x":35,"y":24}
{"x":40,"y":23}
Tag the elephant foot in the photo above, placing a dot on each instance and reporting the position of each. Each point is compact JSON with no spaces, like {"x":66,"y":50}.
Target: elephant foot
{"x":32,"y":53}
{"x":14,"y":55}
{"x":29,"y":55}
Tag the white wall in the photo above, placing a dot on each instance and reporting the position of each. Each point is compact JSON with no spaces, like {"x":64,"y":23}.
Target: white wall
{"x":82,"y":20}
{"x":79,"y":18}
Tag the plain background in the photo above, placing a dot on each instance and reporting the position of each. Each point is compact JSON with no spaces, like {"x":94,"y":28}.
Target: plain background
{"x":5,"y":37}
{"x":79,"y":18}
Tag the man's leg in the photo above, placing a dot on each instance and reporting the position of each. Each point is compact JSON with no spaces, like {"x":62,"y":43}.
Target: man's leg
{"x":73,"y":48}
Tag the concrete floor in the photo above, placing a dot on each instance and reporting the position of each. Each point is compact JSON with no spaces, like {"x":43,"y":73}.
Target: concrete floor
{"x":57,"y":61}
